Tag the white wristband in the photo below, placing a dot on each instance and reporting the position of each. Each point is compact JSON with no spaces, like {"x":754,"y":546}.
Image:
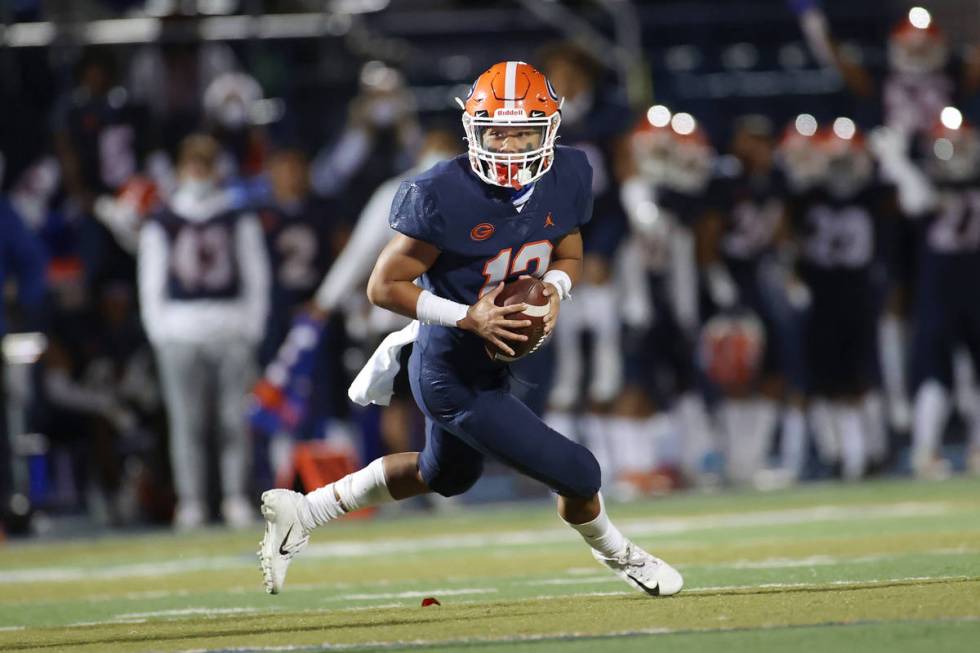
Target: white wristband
{"x":560,"y":280}
{"x":432,"y":309}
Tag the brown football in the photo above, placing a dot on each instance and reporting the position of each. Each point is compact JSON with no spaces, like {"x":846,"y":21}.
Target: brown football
{"x":526,"y":290}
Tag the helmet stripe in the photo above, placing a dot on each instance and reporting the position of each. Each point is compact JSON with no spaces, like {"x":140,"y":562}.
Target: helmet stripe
{"x":510,"y":84}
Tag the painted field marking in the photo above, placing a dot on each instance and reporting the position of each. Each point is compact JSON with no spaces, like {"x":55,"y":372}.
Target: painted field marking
{"x":413,"y":594}
{"x":389,"y":546}
{"x":569,"y":636}
{"x":182,"y":612}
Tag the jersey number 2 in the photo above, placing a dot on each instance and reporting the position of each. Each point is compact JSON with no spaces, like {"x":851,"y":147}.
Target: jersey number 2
{"x":504,"y":265}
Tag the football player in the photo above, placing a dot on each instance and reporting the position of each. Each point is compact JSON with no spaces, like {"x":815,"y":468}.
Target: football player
{"x":838,"y":224}
{"x":513,"y":206}
{"x":100,"y":138}
{"x":204,"y":295}
{"x":945,"y":196}
{"x":663,"y":197}
{"x":346,"y":279}
{"x":597,"y":121}
{"x":740,"y":244}
{"x":923,"y":75}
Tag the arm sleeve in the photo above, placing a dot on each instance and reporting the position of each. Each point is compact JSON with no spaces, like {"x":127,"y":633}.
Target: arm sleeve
{"x":334,"y":166}
{"x":152,"y":273}
{"x":354,"y":264}
{"x":254,"y":261}
{"x":414,"y":213}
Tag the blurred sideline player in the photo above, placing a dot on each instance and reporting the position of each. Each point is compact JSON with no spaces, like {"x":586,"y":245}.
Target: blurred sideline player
{"x":837,"y":214}
{"x":944,"y":196}
{"x":661,"y":417}
{"x":204,"y":295}
{"x":346,"y":277}
{"x":597,"y":121}
{"x":923,"y":75}
{"x":462,"y":233}
{"x":739,"y":241}
{"x":24,"y":259}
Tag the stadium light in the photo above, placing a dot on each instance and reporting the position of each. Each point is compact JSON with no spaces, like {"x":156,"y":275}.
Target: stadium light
{"x":683,"y":123}
{"x":951,"y":118}
{"x":658,"y":115}
{"x":806,"y":124}
{"x":920,"y":17}
{"x":844,"y":128}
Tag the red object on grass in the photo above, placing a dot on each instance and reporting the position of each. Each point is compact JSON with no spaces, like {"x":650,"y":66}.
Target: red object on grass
{"x":429,"y":600}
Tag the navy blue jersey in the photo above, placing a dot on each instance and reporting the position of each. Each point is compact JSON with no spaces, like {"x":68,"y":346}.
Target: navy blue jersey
{"x":840,"y":236}
{"x":952,"y":231}
{"x":202,"y":256}
{"x":752,"y":207}
{"x":685,"y":207}
{"x":483,"y":239}
{"x":108,"y":135}
{"x":299,"y":247}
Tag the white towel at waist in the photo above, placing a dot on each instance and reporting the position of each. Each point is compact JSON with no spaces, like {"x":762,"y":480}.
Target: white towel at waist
{"x":375,"y":383}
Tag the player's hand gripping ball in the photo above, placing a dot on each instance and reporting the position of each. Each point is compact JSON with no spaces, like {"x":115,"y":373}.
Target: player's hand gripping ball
{"x":529,"y":291}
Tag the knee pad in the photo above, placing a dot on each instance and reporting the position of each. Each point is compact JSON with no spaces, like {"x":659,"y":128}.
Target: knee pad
{"x":459,"y":479}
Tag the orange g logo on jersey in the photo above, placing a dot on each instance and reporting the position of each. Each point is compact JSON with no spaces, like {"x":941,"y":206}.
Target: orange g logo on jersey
{"x":482,"y":231}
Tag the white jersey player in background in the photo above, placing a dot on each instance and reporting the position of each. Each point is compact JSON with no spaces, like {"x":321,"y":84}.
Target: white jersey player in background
{"x":204,"y":295}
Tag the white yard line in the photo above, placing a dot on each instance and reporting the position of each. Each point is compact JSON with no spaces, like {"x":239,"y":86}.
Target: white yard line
{"x":183,"y":612}
{"x":561,"y":636}
{"x":536,"y":537}
{"x":414,"y":594}
{"x":721,"y":589}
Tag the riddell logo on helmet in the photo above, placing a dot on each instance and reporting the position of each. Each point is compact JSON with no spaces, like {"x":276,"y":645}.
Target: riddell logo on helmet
{"x":482,"y":231}
{"x":509,"y":113}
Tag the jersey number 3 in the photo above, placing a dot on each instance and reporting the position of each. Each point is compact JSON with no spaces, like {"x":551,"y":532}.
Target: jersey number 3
{"x":505,"y":265}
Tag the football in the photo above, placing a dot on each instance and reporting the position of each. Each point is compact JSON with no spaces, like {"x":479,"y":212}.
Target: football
{"x":526,"y":290}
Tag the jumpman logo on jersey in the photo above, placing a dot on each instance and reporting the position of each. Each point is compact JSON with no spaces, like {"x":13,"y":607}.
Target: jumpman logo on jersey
{"x":548,"y":222}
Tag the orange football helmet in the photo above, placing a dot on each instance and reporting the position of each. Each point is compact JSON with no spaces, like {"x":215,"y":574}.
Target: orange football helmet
{"x":952,"y":151}
{"x":916,"y":50}
{"x":849,"y":164}
{"x":511,"y":94}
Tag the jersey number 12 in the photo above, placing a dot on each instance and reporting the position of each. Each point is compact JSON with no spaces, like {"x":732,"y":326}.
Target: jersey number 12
{"x":505,"y":265}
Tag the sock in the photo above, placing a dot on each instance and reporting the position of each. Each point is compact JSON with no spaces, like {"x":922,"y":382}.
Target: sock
{"x":698,"y":437}
{"x":876,"y":435}
{"x":596,"y":440}
{"x":793,"y":444}
{"x":964,"y":383}
{"x":622,"y":438}
{"x":664,"y":436}
{"x":824,"y":432}
{"x":362,"y":489}
{"x":853,"y":455}
{"x":600,"y":533}
{"x":931,"y":412}
{"x":891,"y":335}
{"x":975,"y":425}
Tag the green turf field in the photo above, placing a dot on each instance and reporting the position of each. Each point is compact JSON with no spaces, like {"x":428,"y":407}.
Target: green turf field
{"x":883,"y":566}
